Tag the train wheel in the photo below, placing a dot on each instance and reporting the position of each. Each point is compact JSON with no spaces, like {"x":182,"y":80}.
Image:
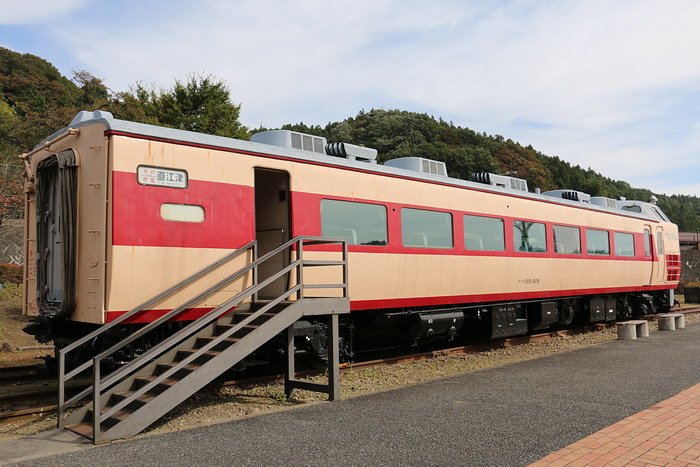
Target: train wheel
{"x":567,"y":312}
{"x":624,"y":310}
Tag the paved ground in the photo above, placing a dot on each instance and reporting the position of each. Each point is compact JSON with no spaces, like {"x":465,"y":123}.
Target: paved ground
{"x":667,"y":433}
{"x":511,"y":416}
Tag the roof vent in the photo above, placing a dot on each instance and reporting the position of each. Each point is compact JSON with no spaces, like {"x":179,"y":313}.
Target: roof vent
{"x":85,"y":116}
{"x":572,"y":195}
{"x":419,"y":164}
{"x":291,"y":139}
{"x":500,"y":181}
{"x":352,"y":152}
{"x":603,"y":201}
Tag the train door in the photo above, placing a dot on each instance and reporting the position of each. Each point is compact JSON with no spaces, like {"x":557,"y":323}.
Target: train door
{"x":649,"y":252}
{"x":56,"y":202}
{"x":272,"y":226}
{"x":661,"y":264}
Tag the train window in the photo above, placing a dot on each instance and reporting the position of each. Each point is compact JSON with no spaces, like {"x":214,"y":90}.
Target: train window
{"x":358,"y":223}
{"x":529,"y":236}
{"x":624,"y":244}
{"x":660,"y":215}
{"x":647,"y":243}
{"x":428,"y":229}
{"x":660,"y":243}
{"x":483,"y":233}
{"x":632,"y":208}
{"x":182,"y":213}
{"x":567,"y":240}
{"x":598,"y":242}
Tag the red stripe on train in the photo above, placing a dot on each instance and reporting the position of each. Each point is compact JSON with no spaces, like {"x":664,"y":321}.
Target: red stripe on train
{"x":481,"y":298}
{"x":147,"y":316}
{"x":229,"y":218}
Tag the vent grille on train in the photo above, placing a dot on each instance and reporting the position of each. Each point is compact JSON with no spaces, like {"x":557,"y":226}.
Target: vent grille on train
{"x":291,"y":139}
{"x":500,"y":181}
{"x":433,"y":167}
{"x":571,"y":195}
{"x":308,"y":142}
{"x":603,"y":201}
{"x":419,"y":164}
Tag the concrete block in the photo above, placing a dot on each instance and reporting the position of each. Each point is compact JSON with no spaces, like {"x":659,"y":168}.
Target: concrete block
{"x":629,"y":330}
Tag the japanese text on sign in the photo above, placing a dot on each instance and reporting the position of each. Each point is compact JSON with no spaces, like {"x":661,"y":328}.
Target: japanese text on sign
{"x":157,"y":176}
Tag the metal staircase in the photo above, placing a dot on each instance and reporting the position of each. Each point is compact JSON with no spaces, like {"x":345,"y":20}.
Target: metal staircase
{"x":132,"y":397}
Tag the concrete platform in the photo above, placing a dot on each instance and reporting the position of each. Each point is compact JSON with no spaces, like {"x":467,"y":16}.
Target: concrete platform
{"x":513,"y":415}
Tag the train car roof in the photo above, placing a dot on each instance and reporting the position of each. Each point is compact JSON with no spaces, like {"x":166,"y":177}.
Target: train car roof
{"x":165,"y":134}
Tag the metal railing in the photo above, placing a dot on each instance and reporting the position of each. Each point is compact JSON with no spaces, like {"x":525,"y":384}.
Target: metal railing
{"x":63,"y":377}
{"x":295,"y":287}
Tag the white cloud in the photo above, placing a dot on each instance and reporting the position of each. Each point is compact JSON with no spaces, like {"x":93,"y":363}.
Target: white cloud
{"x":36,"y":11}
{"x":607,"y":84}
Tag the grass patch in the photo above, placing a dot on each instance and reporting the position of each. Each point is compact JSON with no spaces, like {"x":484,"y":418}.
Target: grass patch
{"x":12,"y":321}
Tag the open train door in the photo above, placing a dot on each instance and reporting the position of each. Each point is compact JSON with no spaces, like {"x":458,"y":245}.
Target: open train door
{"x":272,"y":226}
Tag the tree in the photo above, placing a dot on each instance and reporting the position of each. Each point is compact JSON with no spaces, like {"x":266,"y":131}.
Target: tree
{"x":200,"y":104}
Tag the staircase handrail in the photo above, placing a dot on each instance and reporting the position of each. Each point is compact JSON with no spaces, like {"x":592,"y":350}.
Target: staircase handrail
{"x":207,"y":318}
{"x":237,"y":299}
{"x":100,"y":384}
{"x":196,"y":326}
{"x":63,"y":377}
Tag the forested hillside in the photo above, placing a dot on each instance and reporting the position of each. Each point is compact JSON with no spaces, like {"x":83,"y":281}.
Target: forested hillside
{"x":35,"y":100}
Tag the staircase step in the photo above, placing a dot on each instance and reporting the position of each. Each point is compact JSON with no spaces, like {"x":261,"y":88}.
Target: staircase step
{"x":112,"y":420}
{"x":205,"y":357}
{"x":140,"y":401}
{"x":221,"y":328}
{"x":261,"y":303}
{"x":141,"y":381}
{"x":85,"y":428}
{"x":162,"y":367}
{"x":82,"y":429}
{"x":240,"y":316}
{"x":223,"y":345}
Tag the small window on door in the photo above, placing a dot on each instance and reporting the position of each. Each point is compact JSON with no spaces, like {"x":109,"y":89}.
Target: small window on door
{"x":660,"y":242}
{"x":647,"y":243}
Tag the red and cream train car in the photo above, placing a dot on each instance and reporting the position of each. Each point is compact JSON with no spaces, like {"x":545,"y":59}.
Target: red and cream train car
{"x":118,"y":211}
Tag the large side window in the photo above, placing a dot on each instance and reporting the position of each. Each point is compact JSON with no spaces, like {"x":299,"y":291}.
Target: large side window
{"x":483,"y":233}
{"x":529,"y":236}
{"x":359,"y":223}
{"x":567,"y":240}
{"x":598,"y":242}
{"x":624,"y":244}
{"x":429,"y":229}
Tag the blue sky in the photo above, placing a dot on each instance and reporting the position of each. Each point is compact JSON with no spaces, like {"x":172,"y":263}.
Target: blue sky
{"x":611,"y":85}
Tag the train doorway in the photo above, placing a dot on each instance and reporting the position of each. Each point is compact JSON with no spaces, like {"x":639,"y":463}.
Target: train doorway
{"x":272,"y":226}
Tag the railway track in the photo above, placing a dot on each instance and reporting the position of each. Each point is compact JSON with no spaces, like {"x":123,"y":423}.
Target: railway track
{"x":13,"y":374}
{"x":22,"y":401}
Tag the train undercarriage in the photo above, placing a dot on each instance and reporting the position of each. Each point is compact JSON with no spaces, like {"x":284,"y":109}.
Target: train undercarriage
{"x":367,"y":331}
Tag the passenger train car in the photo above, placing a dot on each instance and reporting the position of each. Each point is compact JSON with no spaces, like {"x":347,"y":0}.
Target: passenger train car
{"x":118,"y":211}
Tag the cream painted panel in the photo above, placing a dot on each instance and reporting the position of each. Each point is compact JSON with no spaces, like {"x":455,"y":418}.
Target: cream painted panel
{"x":139,"y":273}
{"x":200,"y":163}
{"x":228,"y":167}
{"x":390,"y":276}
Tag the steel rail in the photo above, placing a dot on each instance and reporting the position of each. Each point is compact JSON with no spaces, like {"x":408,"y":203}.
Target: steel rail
{"x":439,"y":353}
